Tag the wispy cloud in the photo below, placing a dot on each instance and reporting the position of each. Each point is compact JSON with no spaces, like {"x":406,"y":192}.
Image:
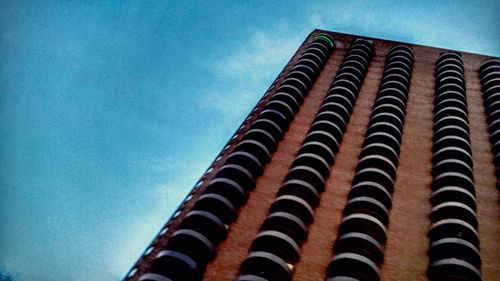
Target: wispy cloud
{"x":264,"y":49}
{"x":243,"y":75}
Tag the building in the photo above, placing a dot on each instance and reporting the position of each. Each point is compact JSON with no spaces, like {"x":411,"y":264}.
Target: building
{"x":366,"y":159}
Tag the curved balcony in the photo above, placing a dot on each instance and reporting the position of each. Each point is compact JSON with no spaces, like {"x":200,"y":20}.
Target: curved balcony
{"x":453,"y":269}
{"x":213,"y":228}
{"x":456,"y":248}
{"x":454,"y":194}
{"x":286,"y":223}
{"x":277,"y":243}
{"x":367,"y":205}
{"x":454,"y":228}
{"x":454,"y":210}
{"x":360,"y":243}
{"x":175,"y":266}
{"x":348,"y":266}
{"x":266,"y":265}
{"x":373,"y":190}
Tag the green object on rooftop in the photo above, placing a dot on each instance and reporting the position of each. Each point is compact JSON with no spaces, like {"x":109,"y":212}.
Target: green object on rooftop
{"x":324,"y":38}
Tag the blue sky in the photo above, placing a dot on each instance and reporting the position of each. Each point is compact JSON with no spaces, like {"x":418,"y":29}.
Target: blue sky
{"x":111,"y":110}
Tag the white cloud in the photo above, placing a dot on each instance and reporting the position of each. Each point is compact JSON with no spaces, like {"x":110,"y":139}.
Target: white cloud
{"x":243,"y":76}
{"x":262,"y":51}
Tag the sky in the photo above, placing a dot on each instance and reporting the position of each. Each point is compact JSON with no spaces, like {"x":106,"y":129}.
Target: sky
{"x":111,"y":110}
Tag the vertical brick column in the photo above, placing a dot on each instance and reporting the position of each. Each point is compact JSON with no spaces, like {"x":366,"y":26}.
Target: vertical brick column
{"x":362,"y":233}
{"x":277,"y":246}
{"x":454,"y":240}
{"x":484,"y":125}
